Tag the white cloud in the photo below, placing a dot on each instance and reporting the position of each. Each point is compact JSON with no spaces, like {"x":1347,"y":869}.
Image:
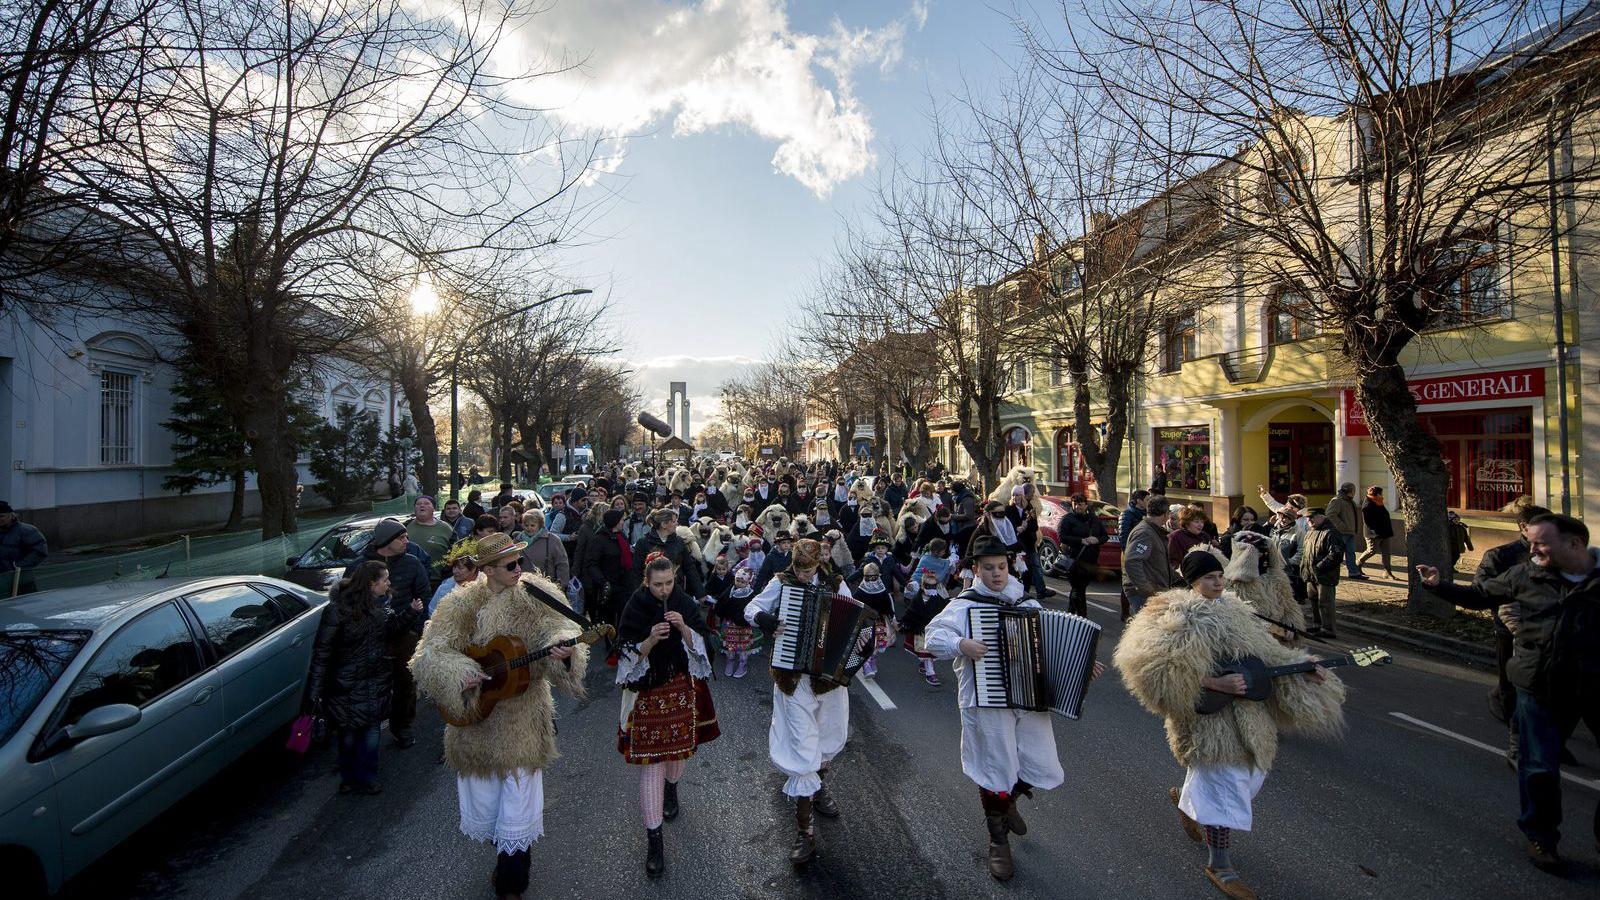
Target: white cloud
{"x":715,"y":64}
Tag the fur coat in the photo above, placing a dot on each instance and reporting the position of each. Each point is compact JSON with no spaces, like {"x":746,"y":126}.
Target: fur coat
{"x":1178,"y":639}
{"x":1269,"y":592}
{"x":521,"y":732}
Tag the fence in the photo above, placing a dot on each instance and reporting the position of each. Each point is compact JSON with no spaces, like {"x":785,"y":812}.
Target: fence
{"x":242,"y":553}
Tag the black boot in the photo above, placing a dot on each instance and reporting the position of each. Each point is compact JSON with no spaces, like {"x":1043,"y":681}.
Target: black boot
{"x":822,"y":801}
{"x":805,"y":844}
{"x":669,"y":802}
{"x":655,"y":861}
{"x":1000,"y":865}
{"x":1013,"y":818}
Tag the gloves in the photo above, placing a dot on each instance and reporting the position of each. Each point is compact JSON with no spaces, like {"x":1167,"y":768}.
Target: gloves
{"x":767,"y":622}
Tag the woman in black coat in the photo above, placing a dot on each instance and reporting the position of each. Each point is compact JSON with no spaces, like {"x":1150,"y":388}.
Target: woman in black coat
{"x":1380,"y":529}
{"x":608,"y":569}
{"x":350,"y":679}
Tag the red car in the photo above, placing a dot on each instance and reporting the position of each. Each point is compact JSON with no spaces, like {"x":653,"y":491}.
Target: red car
{"x":1050,"y":541}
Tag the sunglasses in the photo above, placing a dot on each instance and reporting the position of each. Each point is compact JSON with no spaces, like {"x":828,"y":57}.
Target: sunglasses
{"x":514,"y":565}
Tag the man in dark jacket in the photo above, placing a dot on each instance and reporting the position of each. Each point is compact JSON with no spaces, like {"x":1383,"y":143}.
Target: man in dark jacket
{"x":1081,"y":533}
{"x":1319,"y":569}
{"x":963,"y":512}
{"x":1551,"y":603}
{"x":1145,"y":570}
{"x":1503,"y":697}
{"x":409,"y":589}
{"x":22,"y":547}
{"x":664,"y":539}
{"x":1132,"y":515}
{"x":895,"y":494}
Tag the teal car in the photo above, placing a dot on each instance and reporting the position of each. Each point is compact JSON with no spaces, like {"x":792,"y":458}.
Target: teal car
{"x":118,"y":700}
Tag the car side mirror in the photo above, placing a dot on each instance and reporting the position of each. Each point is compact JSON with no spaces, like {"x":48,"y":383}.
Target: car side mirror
{"x":104,"y":720}
{"x":291,"y":561}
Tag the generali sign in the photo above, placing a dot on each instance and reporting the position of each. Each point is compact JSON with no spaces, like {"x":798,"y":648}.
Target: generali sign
{"x":1478,"y":386}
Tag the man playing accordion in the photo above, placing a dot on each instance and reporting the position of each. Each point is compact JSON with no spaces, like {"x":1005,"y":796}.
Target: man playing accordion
{"x":810,"y":715}
{"x":1006,"y":751}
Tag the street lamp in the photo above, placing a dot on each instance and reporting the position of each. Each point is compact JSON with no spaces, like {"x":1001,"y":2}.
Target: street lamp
{"x":455,"y":365}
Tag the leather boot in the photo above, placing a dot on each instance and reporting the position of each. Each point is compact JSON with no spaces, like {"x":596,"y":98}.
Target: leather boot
{"x":805,"y":844}
{"x":669,"y":802}
{"x":1013,"y":817}
{"x":999,"y":847}
{"x":655,"y":860}
{"x":822,"y":801}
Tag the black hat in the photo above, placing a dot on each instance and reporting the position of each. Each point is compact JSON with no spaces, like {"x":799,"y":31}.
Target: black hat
{"x":387,"y":531}
{"x":783,"y":535}
{"x":5,"y":507}
{"x":987,"y":545}
{"x":1197,"y":564}
{"x":611,"y":517}
{"x":1314,"y":511}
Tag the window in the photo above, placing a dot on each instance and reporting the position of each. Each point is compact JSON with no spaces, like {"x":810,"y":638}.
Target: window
{"x":116,"y":417}
{"x":1289,"y":318}
{"x":1067,"y":280}
{"x":1058,"y":373}
{"x":1021,"y":375}
{"x":338,"y":548}
{"x":32,"y":661}
{"x":1014,"y":376}
{"x":1178,"y":342}
{"x":1184,"y":456}
{"x":1470,"y":271}
{"x":376,"y":406}
{"x":1070,"y":468}
{"x":150,"y":656}
{"x":288,"y":603}
{"x":1285,"y":180}
{"x":1489,"y":455}
{"x":234,"y":617}
{"x":1017,"y":449}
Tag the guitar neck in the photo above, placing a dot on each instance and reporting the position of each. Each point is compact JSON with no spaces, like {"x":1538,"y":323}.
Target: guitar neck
{"x":1308,"y":665}
{"x":518,"y":662}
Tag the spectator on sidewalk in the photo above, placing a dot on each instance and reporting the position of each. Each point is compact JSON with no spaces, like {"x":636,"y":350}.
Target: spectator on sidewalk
{"x":484,"y":526}
{"x":1245,"y":518}
{"x":1498,"y":560}
{"x":544,"y":553}
{"x":1082,"y":533}
{"x":409,"y":592}
{"x":1346,"y":520}
{"x":1145,"y":570}
{"x":1555,"y":662}
{"x":559,"y":516}
{"x":460,"y":525}
{"x":1460,"y":538}
{"x":474,"y":507}
{"x":1379,"y":528}
{"x":1285,"y":532}
{"x":505,"y":496}
{"x":426,"y":530}
{"x":22,"y":549}
{"x":1132,"y":515}
{"x":1190,"y":533}
{"x":1319,"y":569}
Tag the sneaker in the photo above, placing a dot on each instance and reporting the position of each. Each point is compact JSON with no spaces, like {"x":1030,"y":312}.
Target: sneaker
{"x":744,"y":667}
{"x":727,"y":666}
{"x":932,"y":678}
{"x":1048,"y":593}
{"x":870,"y":668}
{"x":1544,"y":856}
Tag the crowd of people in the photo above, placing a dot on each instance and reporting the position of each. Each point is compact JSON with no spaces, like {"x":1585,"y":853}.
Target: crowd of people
{"x":682,"y":564}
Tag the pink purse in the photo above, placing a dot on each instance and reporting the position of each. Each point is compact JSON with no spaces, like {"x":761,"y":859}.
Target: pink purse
{"x":300,"y":734}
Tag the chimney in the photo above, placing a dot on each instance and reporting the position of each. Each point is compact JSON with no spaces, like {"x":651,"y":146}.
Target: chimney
{"x":1099,"y":221}
{"x":1041,"y":248}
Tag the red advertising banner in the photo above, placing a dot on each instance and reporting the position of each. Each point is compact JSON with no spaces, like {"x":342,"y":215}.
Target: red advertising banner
{"x":1485,"y":386}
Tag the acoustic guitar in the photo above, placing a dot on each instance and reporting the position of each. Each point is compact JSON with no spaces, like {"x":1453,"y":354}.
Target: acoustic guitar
{"x":505,"y":660}
{"x":1258,"y":676}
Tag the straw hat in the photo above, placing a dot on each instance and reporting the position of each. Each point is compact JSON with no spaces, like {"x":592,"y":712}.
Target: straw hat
{"x":496,"y":548}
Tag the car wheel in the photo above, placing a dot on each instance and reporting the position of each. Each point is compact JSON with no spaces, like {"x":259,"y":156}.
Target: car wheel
{"x":1048,"y":554}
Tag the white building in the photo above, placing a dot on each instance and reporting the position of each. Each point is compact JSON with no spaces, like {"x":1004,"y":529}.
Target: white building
{"x":82,"y":399}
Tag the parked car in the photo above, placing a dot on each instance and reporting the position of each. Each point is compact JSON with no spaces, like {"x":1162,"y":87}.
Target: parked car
{"x":117,"y":700}
{"x":1050,"y":542}
{"x":546,"y":491}
{"x":321,"y":565}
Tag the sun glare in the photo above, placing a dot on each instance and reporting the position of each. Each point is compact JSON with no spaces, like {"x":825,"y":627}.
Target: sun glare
{"x":424,"y":299}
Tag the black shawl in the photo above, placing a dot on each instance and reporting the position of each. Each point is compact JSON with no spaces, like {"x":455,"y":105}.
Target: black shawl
{"x":668,"y":658}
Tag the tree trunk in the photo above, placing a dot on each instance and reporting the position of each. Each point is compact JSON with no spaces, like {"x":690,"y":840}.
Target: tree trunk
{"x":1420,"y":477}
{"x":266,"y":433}
{"x":427,"y":434}
{"x":505,"y":452}
{"x":236,"y":507}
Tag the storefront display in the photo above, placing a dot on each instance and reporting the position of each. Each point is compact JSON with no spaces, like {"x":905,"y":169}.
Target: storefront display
{"x":1300,"y":458}
{"x":1489,"y":455}
{"x":1184,"y":454}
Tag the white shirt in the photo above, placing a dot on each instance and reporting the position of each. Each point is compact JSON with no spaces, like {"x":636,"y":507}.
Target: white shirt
{"x":947,"y":630}
{"x":767,"y":600}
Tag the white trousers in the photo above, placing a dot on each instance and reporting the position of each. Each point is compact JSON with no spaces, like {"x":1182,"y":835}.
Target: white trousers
{"x":1221,"y":795}
{"x":1000,"y":747}
{"x":807,"y":732}
{"x":507,"y":812}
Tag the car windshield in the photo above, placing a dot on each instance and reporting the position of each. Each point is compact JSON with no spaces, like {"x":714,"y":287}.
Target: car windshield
{"x":337,"y":548}
{"x":31,"y":661}
{"x":549,"y":490}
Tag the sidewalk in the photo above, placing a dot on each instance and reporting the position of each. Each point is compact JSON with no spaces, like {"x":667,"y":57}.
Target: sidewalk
{"x":1377,"y":607}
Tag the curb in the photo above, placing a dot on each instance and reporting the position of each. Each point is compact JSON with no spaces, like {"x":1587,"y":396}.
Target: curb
{"x":1463,"y":652}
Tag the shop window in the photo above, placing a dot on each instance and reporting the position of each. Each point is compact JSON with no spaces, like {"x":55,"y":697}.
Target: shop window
{"x":1489,"y":456}
{"x":1299,"y":458}
{"x":1184,"y":454}
{"x":1178,"y":342}
{"x":1070,"y":468}
{"x":1289,"y":318}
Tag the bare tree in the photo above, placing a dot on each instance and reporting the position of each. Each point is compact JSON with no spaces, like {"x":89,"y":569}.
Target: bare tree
{"x":283,"y":161}
{"x":769,"y":400}
{"x":1378,"y":160}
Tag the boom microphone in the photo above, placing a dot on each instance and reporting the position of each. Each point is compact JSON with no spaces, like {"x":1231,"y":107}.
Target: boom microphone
{"x":654,"y":424}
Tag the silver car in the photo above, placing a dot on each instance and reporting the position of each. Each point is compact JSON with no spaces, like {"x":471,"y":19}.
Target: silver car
{"x":117,"y":700}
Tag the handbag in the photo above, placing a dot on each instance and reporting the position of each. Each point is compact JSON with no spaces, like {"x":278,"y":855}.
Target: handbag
{"x":300,"y":734}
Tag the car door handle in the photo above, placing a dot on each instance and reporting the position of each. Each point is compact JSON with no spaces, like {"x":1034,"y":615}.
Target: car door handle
{"x":298,"y":640}
{"x":202,"y":695}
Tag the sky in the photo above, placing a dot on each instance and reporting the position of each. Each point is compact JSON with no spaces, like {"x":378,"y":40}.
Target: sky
{"x":751,"y":130}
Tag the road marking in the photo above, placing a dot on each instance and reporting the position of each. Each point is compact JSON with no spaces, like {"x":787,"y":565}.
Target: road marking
{"x":1114,"y":612}
{"x":1591,"y":785}
{"x":871,"y":684}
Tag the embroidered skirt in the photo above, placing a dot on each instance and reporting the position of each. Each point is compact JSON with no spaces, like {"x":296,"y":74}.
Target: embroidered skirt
{"x":667,"y":722}
{"x":737,"y":638}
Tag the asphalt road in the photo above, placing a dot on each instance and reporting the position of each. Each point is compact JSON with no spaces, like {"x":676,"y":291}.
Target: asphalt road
{"x":1415,"y":802}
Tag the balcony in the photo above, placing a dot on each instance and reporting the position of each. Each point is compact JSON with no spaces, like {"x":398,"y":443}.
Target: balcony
{"x":1245,"y":366}
{"x":1307,"y":363}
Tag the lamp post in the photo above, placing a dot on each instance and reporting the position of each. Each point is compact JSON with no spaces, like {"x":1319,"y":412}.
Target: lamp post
{"x":455,"y":366}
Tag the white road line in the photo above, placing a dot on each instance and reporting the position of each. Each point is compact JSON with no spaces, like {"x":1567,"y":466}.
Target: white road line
{"x":1114,"y":612}
{"x":1498,"y":751}
{"x":871,"y":685}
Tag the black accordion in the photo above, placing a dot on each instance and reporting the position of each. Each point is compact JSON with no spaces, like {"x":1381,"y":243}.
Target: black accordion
{"x":826,"y":636}
{"x":1038,"y":659}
